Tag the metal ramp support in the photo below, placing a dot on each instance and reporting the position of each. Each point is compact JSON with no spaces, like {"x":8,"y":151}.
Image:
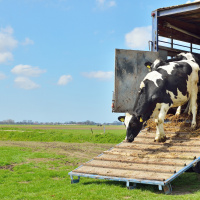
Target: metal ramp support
{"x":130,"y":187}
{"x":144,"y":161}
{"x":74,"y":180}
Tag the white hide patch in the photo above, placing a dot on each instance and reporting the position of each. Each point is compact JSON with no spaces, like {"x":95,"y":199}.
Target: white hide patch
{"x":127,"y":119}
{"x":169,"y":68}
{"x":142,"y":85}
{"x":155,"y":63}
{"x":178,"y":100}
{"x":152,"y":76}
{"x":187,"y":55}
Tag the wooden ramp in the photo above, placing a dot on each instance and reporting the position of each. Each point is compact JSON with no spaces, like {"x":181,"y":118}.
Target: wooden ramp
{"x":144,"y":161}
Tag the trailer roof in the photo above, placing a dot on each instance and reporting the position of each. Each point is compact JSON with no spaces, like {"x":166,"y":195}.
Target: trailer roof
{"x":185,"y":17}
{"x":178,"y":6}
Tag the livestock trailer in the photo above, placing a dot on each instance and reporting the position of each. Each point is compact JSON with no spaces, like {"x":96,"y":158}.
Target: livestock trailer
{"x":175,"y":29}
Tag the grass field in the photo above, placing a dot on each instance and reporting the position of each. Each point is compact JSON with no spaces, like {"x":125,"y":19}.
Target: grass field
{"x":34,"y":164}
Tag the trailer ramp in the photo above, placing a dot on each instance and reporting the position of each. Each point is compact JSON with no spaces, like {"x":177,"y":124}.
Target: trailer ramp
{"x":144,"y":161}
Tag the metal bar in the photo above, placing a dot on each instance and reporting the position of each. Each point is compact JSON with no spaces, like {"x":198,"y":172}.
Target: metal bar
{"x":194,"y":20}
{"x":172,"y":43}
{"x":181,"y":30}
{"x":160,"y":187}
{"x":185,"y":15}
{"x":155,"y":32}
{"x":182,"y":170}
{"x":181,"y":9}
{"x":191,"y":47}
{"x":150,"y":182}
{"x":177,"y":44}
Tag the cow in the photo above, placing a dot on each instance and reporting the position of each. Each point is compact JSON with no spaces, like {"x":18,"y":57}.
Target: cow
{"x":169,"y":85}
{"x":182,"y":56}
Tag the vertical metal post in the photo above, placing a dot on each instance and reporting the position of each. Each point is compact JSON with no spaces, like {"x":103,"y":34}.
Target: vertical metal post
{"x":155,"y":30}
{"x":167,"y":188}
{"x":172,"y":43}
{"x":160,"y":187}
{"x":190,"y":47}
{"x":130,"y":187}
{"x":74,"y":180}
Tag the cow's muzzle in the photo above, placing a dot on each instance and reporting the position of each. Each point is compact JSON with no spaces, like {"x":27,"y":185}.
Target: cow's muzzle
{"x":130,"y":139}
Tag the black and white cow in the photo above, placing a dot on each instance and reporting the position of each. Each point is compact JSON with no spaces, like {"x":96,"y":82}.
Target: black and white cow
{"x":170,"y":85}
{"x":182,"y":56}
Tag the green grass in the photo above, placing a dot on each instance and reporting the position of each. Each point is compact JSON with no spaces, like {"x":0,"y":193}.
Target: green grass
{"x":48,"y":179}
{"x":69,"y":135}
{"x":41,"y":172}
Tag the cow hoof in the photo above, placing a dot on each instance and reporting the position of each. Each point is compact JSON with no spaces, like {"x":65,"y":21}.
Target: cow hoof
{"x":193,"y":128}
{"x":163,"y":139}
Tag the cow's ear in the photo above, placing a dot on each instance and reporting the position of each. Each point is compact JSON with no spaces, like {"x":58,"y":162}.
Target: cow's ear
{"x":148,"y":64}
{"x":121,"y":118}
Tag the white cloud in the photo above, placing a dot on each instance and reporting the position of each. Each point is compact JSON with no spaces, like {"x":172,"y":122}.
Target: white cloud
{"x":2,"y":76}
{"x":64,"y":80}
{"x":7,"y":42}
{"x":25,"y":83}
{"x":5,"y":56}
{"x":192,"y":1}
{"x":112,"y":3}
{"x":103,"y":4}
{"x":99,"y":75}
{"x":27,"y":41}
{"x":138,"y":38}
{"x":27,"y":70}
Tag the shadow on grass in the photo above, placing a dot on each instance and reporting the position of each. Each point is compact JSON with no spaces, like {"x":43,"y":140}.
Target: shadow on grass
{"x":187,"y":183}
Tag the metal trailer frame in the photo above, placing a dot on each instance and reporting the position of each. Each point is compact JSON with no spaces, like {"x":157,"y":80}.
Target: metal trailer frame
{"x":162,"y":185}
{"x":165,"y":12}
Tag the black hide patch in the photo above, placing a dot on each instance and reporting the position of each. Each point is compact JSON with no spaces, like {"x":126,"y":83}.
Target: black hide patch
{"x":150,"y":95}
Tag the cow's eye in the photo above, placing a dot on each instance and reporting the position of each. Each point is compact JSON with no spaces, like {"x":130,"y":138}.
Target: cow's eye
{"x":132,"y":124}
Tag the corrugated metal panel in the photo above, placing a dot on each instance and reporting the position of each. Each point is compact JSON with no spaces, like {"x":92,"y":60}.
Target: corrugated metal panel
{"x":144,"y":161}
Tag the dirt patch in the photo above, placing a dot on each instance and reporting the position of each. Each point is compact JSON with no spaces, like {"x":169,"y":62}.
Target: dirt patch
{"x":81,"y":152}
{"x":9,"y":167}
{"x":24,"y":182}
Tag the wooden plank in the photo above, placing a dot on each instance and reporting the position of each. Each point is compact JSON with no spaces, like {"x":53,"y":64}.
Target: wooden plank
{"x":153,"y":161}
{"x":172,"y":143}
{"x":123,"y":173}
{"x":153,"y":154}
{"x":135,"y":167}
{"x":162,"y":148}
{"x":168,"y":134}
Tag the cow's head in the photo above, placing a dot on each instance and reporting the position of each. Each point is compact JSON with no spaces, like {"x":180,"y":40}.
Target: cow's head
{"x":133,"y":125}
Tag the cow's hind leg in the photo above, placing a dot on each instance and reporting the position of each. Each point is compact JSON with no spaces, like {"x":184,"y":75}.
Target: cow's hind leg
{"x":160,"y":134}
{"x":193,"y":105}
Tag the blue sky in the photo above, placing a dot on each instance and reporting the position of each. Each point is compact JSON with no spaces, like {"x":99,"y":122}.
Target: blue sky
{"x":57,"y":56}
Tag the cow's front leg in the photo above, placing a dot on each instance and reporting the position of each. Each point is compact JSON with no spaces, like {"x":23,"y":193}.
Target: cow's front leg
{"x":178,"y":111}
{"x":160,"y":134}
